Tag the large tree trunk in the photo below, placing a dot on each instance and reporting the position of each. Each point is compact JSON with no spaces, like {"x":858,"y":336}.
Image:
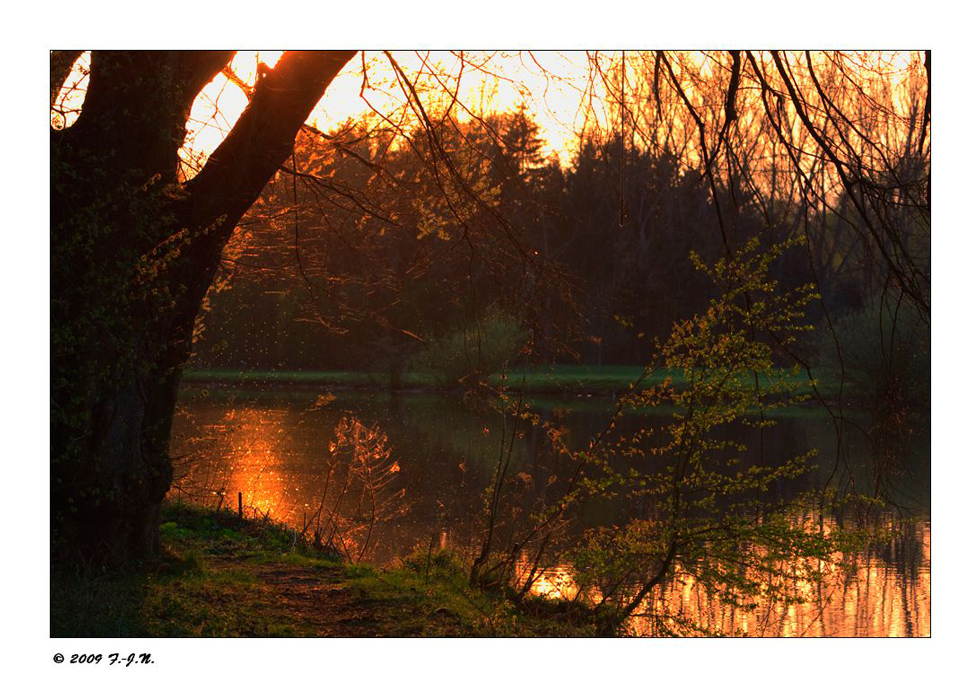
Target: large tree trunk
{"x":133,"y":253}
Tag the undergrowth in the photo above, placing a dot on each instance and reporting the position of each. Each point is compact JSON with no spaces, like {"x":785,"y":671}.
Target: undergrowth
{"x":212,"y":579}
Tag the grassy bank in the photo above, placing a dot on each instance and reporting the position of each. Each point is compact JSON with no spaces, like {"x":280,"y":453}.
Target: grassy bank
{"x":540,"y":379}
{"x":220,"y":576}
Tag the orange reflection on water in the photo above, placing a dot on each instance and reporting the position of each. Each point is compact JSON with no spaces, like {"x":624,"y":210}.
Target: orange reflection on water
{"x":338,"y":493}
{"x":280,"y":459}
{"x":248,"y":441}
{"x":883,"y":593}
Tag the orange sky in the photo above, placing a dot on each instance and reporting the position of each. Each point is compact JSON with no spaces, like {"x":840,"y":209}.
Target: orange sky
{"x":551,"y":84}
{"x":555,"y":86}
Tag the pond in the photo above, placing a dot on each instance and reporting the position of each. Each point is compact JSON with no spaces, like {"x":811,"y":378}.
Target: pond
{"x":429,"y":459}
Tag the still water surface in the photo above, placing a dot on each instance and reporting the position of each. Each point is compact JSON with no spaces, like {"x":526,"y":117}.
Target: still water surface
{"x":433,"y":457}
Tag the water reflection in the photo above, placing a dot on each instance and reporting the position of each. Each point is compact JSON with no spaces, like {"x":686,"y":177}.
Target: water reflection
{"x":862,"y":596}
{"x":234,"y":450}
{"x":429,"y":460}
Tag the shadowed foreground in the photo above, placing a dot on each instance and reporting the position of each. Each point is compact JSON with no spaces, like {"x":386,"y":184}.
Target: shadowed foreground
{"x":225,"y":577}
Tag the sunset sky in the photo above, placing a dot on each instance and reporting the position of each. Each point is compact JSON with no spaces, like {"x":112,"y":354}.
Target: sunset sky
{"x":562,"y":90}
{"x":712,"y":25}
{"x":553,"y":85}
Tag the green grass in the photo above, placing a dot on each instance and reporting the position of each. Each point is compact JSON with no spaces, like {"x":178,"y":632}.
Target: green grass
{"x":539,"y":379}
{"x":183,"y":594}
{"x":430,"y":596}
{"x":220,"y":576}
{"x":338,"y":378}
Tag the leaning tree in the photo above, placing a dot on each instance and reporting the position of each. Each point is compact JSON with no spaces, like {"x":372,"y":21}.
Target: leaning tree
{"x":133,"y":251}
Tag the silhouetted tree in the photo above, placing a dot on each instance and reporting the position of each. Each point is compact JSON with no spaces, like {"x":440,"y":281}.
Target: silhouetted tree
{"x":134,"y":251}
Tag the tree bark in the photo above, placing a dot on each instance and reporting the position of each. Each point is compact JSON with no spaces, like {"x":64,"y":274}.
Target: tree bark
{"x":133,"y":254}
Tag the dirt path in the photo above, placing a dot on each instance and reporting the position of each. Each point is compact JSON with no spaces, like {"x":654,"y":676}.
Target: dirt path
{"x":317,"y":599}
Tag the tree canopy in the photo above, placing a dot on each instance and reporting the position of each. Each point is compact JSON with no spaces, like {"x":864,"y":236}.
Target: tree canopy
{"x":436,"y":222}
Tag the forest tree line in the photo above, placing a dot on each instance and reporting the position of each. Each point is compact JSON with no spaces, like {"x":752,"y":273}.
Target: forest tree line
{"x":369,"y":259}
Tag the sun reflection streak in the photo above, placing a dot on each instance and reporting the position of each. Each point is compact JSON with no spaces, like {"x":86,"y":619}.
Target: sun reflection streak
{"x":341,"y":496}
{"x":881,"y":590}
{"x":860,"y":596}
